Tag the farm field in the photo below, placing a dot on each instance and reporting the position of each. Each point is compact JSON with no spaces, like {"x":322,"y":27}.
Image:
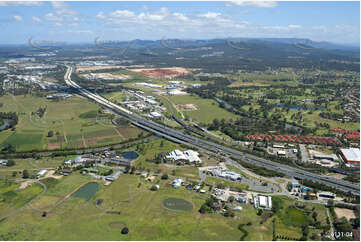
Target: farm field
{"x":77,"y":125}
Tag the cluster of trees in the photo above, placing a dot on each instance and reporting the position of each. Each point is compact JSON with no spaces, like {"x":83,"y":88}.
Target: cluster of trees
{"x":11,"y":117}
{"x":40,"y":112}
{"x":331,"y":115}
{"x":58,"y":74}
{"x":322,"y":187}
{"x":212,"y":204}
{"x":261,"y":170}
{"x":238,"y":128}
{"x":355,"y":178}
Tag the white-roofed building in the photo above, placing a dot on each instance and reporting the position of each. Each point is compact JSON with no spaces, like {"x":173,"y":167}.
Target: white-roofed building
{"x":186,"y":156}
{"x":351,"y":156}
{"x":192,"y":156}
{"x":263,"y":202}
{"x":155,"y":115}
{"x":176,"y":155}
{"x":177,"y":92}
{"x":177,"y":182}
{"x":41,"y":173}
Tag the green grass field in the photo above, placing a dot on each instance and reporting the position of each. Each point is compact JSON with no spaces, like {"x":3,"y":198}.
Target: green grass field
{"x":72,"y":120}
{"x":11,"y":197}
{"x":129,"y":202}
{"x":203,"y":114}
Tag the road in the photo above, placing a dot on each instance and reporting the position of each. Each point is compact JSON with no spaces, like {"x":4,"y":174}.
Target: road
{"x":211,"y":147}
{"x":332,"y":230}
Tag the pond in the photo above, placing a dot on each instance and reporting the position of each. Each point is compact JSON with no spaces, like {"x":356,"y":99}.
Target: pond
{"x":299,"y":108}
{"x":130,"y":155}
{"x":87,"y":191}
{"x":5,"y":124}
{"x":177,"y":204}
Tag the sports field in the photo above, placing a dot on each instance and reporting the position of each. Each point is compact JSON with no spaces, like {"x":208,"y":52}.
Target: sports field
{"x":75,"y":122}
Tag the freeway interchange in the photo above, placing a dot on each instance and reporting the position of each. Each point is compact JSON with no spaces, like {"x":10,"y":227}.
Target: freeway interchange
{"x":210,"y":147}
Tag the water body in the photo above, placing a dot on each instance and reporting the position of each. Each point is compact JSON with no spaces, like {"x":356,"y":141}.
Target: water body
{"x":5,"y":124}
{"x":87,"y":191}
{"x":299,"y":108}
{"x":130,"y":155}
{"x":177,"y":204}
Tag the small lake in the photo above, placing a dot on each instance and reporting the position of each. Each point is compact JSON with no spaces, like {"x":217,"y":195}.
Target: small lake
{"x":177,"y":204}
{"x":299,"y":108}
{"x":5,"y":125}
{"x":130,"y":155}
{"x":87,"y":191}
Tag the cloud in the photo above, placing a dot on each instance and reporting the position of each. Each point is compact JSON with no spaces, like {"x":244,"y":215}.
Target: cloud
{"x":36,"y":19}
{"x":294,"y":26}
{"x":181,"y":16}
{"x":80,"y":32}
{"x":62,"y":9}
{"x":163,"y":23}
{"x":210,"y":15}
{"x":20,"y":3}
{"x":287,"y":28}
{"x":17,"y":18}
{"x":53,"y":17}
{"x":62,"y":14}
{"x":122,"y":14}
{"x":255,"y":3}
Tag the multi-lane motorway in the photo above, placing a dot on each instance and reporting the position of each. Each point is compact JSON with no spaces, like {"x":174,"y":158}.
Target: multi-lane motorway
{"x":179,"y":136}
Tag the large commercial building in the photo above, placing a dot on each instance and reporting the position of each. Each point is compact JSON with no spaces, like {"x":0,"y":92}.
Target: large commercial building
{"x":263,"y":202}
{"x":186,"y":156}
{"x":351,"y":156}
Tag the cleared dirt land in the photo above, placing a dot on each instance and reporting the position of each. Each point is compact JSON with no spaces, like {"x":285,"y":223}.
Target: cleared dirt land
{"x":168,"y":72}
{"x":344,"y":212}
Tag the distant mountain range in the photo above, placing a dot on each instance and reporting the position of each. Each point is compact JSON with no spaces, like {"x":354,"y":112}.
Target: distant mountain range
{"x":218,"y":55}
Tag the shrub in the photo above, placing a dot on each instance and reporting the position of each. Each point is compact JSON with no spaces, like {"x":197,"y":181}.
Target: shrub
{"x":125,"y":230}
{"x":154,"y":188}
{"x":25,"y":174}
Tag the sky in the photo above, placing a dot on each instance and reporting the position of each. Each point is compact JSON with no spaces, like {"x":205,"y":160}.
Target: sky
{"x":82,"y":22}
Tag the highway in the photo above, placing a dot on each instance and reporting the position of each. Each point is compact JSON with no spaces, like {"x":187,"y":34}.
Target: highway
{"x":180,"y":137}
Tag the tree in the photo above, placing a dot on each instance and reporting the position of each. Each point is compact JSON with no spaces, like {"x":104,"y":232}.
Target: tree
{"x":205,"y":209}
{"x":25,"y":174}
{"x":229,"y":213}
{"x":125,"y":230}
{"x":10,"y":163}
{"x":127,"y":168}
{"x":314,"y":216}
{"x":50,"y":133}
{"x":259,"y":212}
{"x":154,"y":188}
